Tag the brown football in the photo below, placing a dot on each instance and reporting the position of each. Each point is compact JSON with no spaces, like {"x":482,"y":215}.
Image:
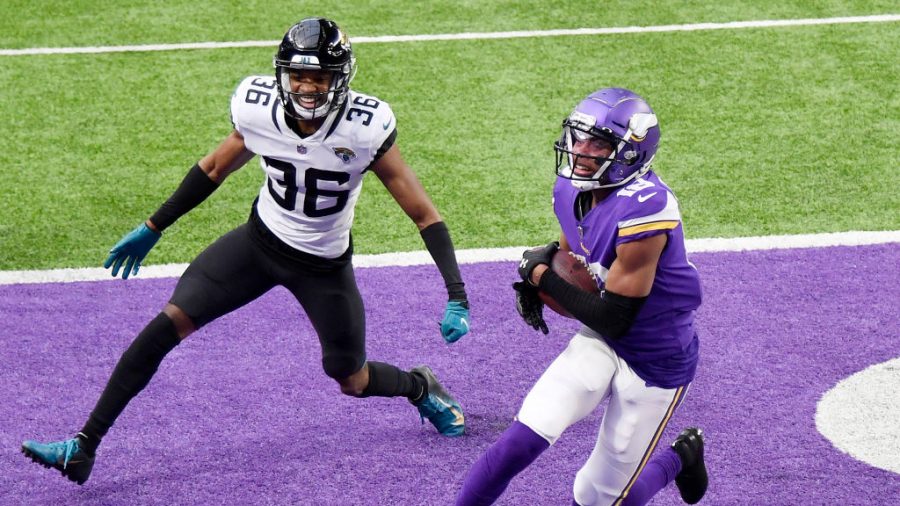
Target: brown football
{"x":575,"y":272}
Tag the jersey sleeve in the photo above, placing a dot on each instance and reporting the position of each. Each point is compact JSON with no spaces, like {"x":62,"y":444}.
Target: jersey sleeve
{"x":237,"y":102}
{"x":385,"y":146}
{"x":647,"y":214}
{"x":385,"y":131}
{"x":252,"y":102}
{"x":374,"y":123}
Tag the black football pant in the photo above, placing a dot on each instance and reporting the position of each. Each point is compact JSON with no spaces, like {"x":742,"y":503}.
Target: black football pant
{"x":238,"y":268}
{"x":235,"y":270}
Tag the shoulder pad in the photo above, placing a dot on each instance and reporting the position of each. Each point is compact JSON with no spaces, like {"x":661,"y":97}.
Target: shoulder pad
{"x":252,"y":98}
{"x":372,"y":114}
{"x":649,"y":209}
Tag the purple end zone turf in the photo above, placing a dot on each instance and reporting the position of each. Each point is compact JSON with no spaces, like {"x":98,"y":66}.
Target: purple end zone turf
{"x":241,"y":412}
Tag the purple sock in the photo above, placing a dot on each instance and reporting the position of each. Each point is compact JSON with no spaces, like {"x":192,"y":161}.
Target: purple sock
{"x":489,"y":476}
{"x":659,"y":472}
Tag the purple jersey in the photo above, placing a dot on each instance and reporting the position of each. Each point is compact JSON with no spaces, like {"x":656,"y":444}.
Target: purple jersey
{"x":662,"y":346}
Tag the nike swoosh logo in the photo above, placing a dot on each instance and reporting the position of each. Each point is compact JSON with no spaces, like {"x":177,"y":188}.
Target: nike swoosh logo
{"x":386,"y":125}
{"x":66,"y":464}
{"x":643,"y":198}
{"x":464,"y":322}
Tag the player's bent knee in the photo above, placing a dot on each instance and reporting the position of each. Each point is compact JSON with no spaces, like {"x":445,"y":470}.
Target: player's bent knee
{"x":341,"y":366}
{"x":550,"y":436}
{"x":352,"y":384}
{"x":585,"y":491}
{"x":184,"y":325}
{"x":351,"y":389}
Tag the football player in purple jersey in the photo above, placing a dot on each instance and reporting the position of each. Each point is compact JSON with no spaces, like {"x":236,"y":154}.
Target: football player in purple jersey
{"x":637,"y":348}
{"x":316,"y":139}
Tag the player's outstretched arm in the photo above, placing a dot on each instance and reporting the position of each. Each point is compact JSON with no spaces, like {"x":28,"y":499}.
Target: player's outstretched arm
{"x":131,"y":250}
{"x":199,"y":183}
{"x":402,"y":183}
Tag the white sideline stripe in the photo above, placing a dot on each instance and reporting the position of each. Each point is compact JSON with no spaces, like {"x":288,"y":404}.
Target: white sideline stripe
{"x":478,"y":255}
{"x":766,"y":23}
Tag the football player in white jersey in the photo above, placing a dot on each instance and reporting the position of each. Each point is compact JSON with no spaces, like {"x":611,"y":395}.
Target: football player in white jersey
{"x":637,"y":348}
{"x":315,"y":139}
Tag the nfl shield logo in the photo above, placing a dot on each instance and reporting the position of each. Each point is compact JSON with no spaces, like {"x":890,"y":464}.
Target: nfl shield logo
{"x":301,"y":150}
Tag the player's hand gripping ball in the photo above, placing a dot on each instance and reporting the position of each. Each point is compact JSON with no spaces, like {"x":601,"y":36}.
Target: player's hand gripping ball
{"x":533,"y":257}
{"x":575,"y":272}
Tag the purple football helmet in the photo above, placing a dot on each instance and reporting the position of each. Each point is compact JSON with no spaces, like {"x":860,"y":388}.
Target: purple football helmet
{"x":620,"y":117}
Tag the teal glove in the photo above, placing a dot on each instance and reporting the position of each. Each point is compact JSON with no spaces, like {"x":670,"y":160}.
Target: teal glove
{"x":131,"y":250}
{"x":456,"y":321}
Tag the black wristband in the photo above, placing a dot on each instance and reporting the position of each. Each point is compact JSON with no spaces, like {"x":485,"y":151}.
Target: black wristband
{"x":193,"y":190}
{"x":608,"y":313}
{"x":437,"y":240}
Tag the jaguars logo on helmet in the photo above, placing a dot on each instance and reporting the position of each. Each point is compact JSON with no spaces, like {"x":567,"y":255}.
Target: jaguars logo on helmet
{"x":314,"y":44}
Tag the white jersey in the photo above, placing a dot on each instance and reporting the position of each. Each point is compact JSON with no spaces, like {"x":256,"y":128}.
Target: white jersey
{"x":312,"y":183}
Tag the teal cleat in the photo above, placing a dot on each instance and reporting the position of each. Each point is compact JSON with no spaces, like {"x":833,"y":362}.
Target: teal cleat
{"x":66,"y":457}
{"x":438,"y":406}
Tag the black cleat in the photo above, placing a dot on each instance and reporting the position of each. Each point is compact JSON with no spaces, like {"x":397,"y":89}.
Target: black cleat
{"x":692,"y":480}
{"x":66,"y":457}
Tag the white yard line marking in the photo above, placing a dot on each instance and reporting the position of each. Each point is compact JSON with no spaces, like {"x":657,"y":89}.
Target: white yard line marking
{"x":731,"y":25}
{"x":471,"y":256}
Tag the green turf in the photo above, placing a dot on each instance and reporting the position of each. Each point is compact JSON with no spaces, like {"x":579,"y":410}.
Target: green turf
{"x":783,"y":130}
{"x":37,"y":23}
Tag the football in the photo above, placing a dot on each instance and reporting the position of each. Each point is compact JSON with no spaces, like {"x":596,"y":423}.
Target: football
{"x":574,"y":271}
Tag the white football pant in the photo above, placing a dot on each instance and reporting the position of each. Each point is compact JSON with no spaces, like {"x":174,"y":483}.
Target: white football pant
{"x":579,"y":379}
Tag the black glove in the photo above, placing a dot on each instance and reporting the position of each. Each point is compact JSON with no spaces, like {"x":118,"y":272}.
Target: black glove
{"x":530,"y":306}
{"x":536,"y":256}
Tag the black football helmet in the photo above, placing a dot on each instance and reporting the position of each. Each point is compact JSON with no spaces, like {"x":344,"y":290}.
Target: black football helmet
{"x":316,"y":44}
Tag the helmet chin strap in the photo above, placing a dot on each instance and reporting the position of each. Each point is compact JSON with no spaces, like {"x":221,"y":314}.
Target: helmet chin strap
{"x":594,"y":182}
{"x":584,"y":184}
{"x":296,"y":110}
{"x":303,"y":113}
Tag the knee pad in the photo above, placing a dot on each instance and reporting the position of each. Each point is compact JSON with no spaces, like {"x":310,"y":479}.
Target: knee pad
{"x":618,"y":438}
